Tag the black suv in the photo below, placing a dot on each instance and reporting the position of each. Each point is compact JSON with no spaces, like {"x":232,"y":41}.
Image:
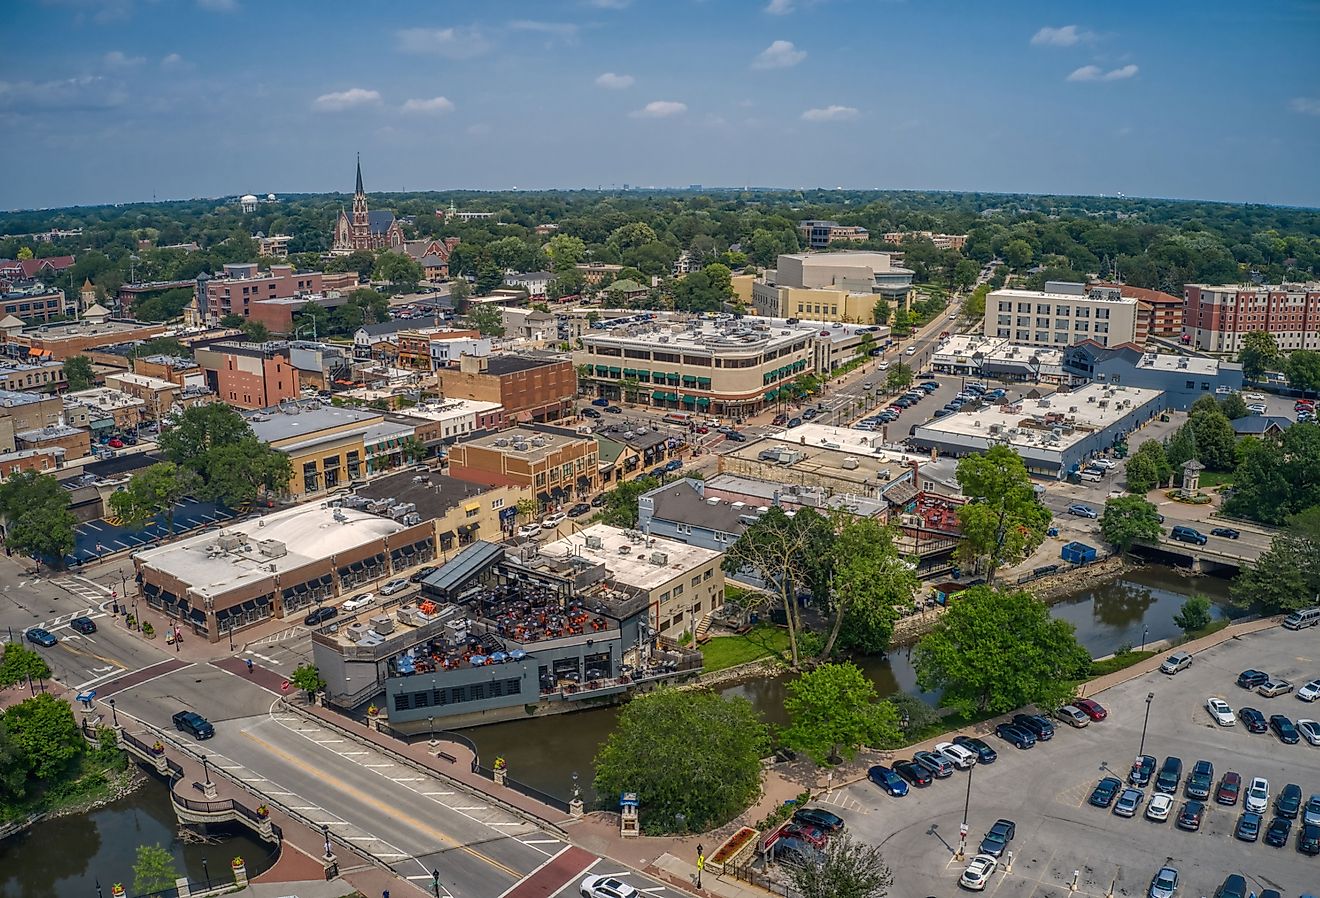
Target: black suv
{"x":1251,"y":678}
{"x":320,"y":616}
{"x":194,"y":724}
{"x":84,"y":625}
{"x":1169,"y":776}
{"x":1200,"y":780}
{"x":1035,"y":724}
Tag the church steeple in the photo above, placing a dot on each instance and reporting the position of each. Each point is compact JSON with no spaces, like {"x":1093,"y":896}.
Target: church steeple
{"x":360,"y":217}
{"x":359,"y":174}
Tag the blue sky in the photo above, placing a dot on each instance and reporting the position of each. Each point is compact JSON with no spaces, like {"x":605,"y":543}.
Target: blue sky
{"x":123,"y":100}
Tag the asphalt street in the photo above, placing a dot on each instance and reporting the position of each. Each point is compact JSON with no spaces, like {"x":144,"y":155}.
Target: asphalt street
{"x":1045,"y":791}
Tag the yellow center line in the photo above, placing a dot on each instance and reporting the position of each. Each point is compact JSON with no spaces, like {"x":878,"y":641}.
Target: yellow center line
{"x":85,"y":654}
{"x":388,"y":810}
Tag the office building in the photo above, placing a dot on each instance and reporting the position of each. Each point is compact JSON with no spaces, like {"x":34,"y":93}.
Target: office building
{"x":242,"y":284}
{"x":941,"y":241}
{"x":973,"y":355}
{"x":33,"y":302}
{"x":1217,"y":318}
{"x":326,"y":445}
{"x":530,"y":388}
{"x":819,"y":234}
{"x":1061,"y":315}
{"x":462,"y":511}
{"x":556,"y":464}
{"x":1182,"y":379}
{"x":104,"y":411}
{"x":842,"y":286}
{"x":249,"y":375}
{"x":21,"y":410}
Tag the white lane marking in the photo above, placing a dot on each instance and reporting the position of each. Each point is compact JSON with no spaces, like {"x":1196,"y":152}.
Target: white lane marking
{"x":308,"y":807}
{"x":540,"y":841}
{"x":574,"y":879}
{"x":538,"y":869}
{"x":349,"y":754}
{"x":408,"y":779}
{"x":331,"y":823}
{"x":475,"y":807}
{"x":437,"y":793}
{"x":511,"y":823}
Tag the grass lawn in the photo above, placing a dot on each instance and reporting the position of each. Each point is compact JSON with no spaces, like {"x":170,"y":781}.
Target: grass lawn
{"x":1213,"y":479}
{"x":760,"y":642}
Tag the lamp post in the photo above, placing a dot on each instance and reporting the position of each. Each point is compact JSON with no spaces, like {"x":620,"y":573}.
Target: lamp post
{"x":967,"y":804}
{"x":325,"y":832}
{"x":99,"y":893}
{"x":206,"y":771}
{"x":430,"y":725}
{"x":114,"y":715}
{"x":701,"y":863}
{"x":577,"y":793}
{"x":681,"y":820}
{"x":207,"y":873}
{"x":231,"y":634}
{"x":1142,"y":749}
{"x":1144,"y":630}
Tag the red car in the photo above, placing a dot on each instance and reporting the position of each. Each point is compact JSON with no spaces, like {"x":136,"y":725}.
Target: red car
{"x":116,"y":443}
{"x":813,"y":835}
{"x":1091,"y":709}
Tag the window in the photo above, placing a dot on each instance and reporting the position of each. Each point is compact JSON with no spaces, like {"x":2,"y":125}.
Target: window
{"x":696,"y":581}
{"x":1205,"y":386}
{"x":1191,"y":385}
{"x":496,"y":503}
{"x":678,"y":590}
{"x":684,"y":528}
{"x":709,"y":573}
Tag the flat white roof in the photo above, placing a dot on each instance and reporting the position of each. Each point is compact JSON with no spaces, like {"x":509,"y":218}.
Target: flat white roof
{"x":842,"y":439}
{"x":309,"y":532}
{"x":103,"y":398}
{"x":1061,"y":298}
{"x":634,"y":566}
{"x":449,"y":409}
{"x":142,"y":380}
{"x":1163,"y":361}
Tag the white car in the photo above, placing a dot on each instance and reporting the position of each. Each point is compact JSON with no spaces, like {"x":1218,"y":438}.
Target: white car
{"x":1310,"y":730}
{"x":1158,"y":807}
{"x":1105,"y":463}
{"x":956,"y":755}
{"x":1256,"y":408}
{"x":554,"y":521}
{"x":1309,"y":692}
{"x":1253,"y":397}
{"x":1258,"y":795}
{"x":912,"y":350}
{"x":606,"y":887}
{"x":978,"y":873}
{"x":529,"y":529}
{"x":1221,"y":712}
{"x":394,"y":586}
{"x":357,"y":603}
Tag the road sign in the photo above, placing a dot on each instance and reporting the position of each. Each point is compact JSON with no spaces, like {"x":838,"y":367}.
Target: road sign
{"x":962,"y":830}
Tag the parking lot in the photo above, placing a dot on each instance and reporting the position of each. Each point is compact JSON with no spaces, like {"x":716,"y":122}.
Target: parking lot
{"x":1045,"y":790}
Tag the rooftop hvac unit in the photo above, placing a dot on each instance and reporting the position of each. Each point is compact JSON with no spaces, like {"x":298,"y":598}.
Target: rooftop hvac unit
{"x":356,"y":631}
{"x":743,"y":504}
{"x":272,"y":548}
{"x":412,"y":519}
{"x":520,"y":447}
{"x":1090,"y":399}
{"x":1072,"y":408}
{"x":403,"y":508}
{"x":340,"y":516}
{"x":850,"y":464}
{"x":713,"y":500}
{"x":659,"y":558}
{"x":502,"y":442}
{"x":382,"y":623}
{"x":229,"y":541}
{"x":595,"y":542}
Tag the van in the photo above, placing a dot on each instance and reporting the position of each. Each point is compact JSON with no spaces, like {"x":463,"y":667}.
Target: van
{"x":1306,"y":617}
{"x":1188,"y":535}
{"x":1091,"y":475}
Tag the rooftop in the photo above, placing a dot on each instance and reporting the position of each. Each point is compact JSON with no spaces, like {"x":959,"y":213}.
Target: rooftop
{"x":50,"y":432}
{"x":721,"y":334}
{"x":305,"y":533}
{"x":683,"y":502}
{"x":1012,"y":293}
{"x":73,"y":329}
{"x":631,"y":558}
{"x":435,"y":495}
{"x":142,"y":380}
{"x":766,"y":493}
{"x":104,"y":398}
{"x":525,"y":442}
{"x":13,"y":398}
{"x":448,"y":409}
{"x":292,"y":419}
{"x":512,"y":364}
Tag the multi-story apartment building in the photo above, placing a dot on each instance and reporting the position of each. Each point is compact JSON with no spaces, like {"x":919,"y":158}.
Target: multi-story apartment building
{"x":58,"y":342}
{"x":1159,"y":314}
{"x":33,"y":302}
{"x":242,"y":284}
{"x":249,"y":375}
{"x":1216,"y":318}
{"x":595,"y":272}
{"x":555,"y":464}
{"x":941,"y":241}
{"x":724,"y":368}
{"x":44,"y":376}
{"x":841,"y":286}
{"x":1061,"y":315}
{"x":529,"y":387}
{"x":818,"y":234}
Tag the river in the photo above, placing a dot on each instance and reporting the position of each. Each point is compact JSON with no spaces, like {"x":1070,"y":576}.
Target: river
{"x":544,"y":752}
{"x":65,"y":857}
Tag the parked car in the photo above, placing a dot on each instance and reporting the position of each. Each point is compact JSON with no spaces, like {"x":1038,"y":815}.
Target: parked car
{"x":321,"y":615}
{"x":1310,"y":730}
{"x":996,"y":839}
{"x":1230,"y":787}
{"x":1251,"y":678}
{"x":1284,"y":728}
{"x":795,"y":852}
{"x":578,"y":509}
{"x":938,"y":767}
{"x":812,"y":835}
{"x":38,"y":636}
{"x":1082,"y":511}
{"x":1233,"y":886}
{"x":794,"y":422}
{"x":1129,"y":802}
{"x":1311,"y":810}
{"x":357,"y":603}
{"x":1288,"y":803}
{"x":1225,"y":532}
{"x":529,"y":529}
{"x":831,"y":823}
{"x":83,"y":625}
{"x":1274,"y":686}
{"x":554,"y":520}
{"x":1200,"y":780}
{"x":1159,"y":807}
{"x":1309,"y":691}
{"x":1276,"y":834}
{"x":1308,"y":839}
{"x":1142,"y":770}
{"x":1191,"y":815}
{"x":1253,"y":720}
{"x":914,"y":773}
{"x":394,"y":586}
{"x":888,"y":780}
{"x":1072,"y":715}
{"x":606,"y":887}
{"x":1019,"y":737}
{"x":1170,"y":775}
{"x":984,"y":753}
{"x":1258,"y":795}
{"x":1091,"y":708}
{"x":736,"y":436}
{"x":1036,"y":724}
{"x":423,"y":573}
{"x":193,"y":724}
{"x":1105,"y":791}
{"x":983,"y":866}
{"x":779,"y":420}
{"x":613,"y":410}
{"x":597,"y":501}
{"x":1176,"y":662}
{"x":1220,"y":711}
{"x":591,"y":413}
{"x":1164,"y":883}
{"x":600,"y":401}
{"x":959,"y":757}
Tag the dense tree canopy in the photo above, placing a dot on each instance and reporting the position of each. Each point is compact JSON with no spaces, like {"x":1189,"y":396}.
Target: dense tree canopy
{"x":1003,"y":520}
{"x":35,"y":511}
{"x":1276,"y":478}
{"x":231,"y":465}
{"x":834,"y":710}
{"x":1128,"y":519}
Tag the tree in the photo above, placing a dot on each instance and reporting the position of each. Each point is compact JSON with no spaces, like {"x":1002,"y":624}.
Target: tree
{"x":786,"y":554}
{"x":620,"y":509}
{"x":1286,"y":577}
{"x":1128,"y":519}
{"x":964,"y":273}
{"x":995,"y":651}
{"x":307,"y":678}
{"x":154,"y":871}
{"x":459,"y":290}
{"x":1259,"y":351}
{"x":870,"y":579}
{"x":880,"y":312}
{"x":255,"y":331}
{"x":974,"y":305}
{"x":13,"y":769}
{"x":1194,"y":615}
{"x":564,"y":251}
{"x":527,"y":509}
{"x":568,"y":282}
{"x":898,"y":378}
{"x":847,"y":869}
{"x":199,"y":430}
{"x":413,"y":450}
{"x":238,"y":473}
{"x":1181,"y":447}
{"x":400,"y":269}
{"x":1234,"y":406}
{"x":1147,"y":468}
{"x":1003,"y":520}
{"x":78,"y":372}
{"x":834,"y":709}
{"x":902,"y":322}
{"x":152,"y":491}
{"x":43,"y":729}
{"x":39,"y":523}
{"x":1017,"y":253}
{"x":20,"y":664}
{"x":689,"y":753}
{"x":1302,"y":369}
{"x":487,"y":318}
{"x":1216,"y":443}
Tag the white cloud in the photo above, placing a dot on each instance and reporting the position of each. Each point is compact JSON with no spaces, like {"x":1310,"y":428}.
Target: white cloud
{"x":612,"y":81}
{"x":1065,"y":36}
{"x":453,"y":43}
{"x":779,"y":55}
{"x":565,"y":30}
{"x":346,"y":99}
{"x":1095,"y":73}
{"x":115,"y":59}
{"x":779,"y":7}
{"x":172,"y":61}
{"x":659,"y":109}
{"x":85,"y":93}
{"x":830,"y":114}
{"x":480,"y":129}
{"x":1305,"y":105}
{"x":218,"y":5}
{"x":435,"y":104}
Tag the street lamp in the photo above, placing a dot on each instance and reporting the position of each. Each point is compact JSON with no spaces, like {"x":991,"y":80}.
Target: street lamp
{"x":577,"y":793}
{"x":207,"y":872}
{"x":1142,"y":749}
{"x":231,"y":634}
{"x":430,"y":725}
{"x":114,"y":715}
{"x":967,"y":804}
{"x":1144,"y":630}
{"x":325,"y":831}
{"x":206,"y":771}
{"x":99,"y":893}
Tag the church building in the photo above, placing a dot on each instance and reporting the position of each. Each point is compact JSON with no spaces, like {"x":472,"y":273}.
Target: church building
{"x":364,"y":229}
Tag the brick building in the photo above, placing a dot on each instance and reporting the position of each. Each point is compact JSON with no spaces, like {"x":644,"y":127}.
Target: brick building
{"x":250,"y":375}
{"x":1216,"y":318}
{"x":529,"y":388}
{"x":242,"y":284}
{"x":554,"y":463}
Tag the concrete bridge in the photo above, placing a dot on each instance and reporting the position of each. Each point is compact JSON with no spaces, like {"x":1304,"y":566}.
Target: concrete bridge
{"x":1216,"y":555}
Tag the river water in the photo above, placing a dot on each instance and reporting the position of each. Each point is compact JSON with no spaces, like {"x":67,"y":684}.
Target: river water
{"x":544,"y":752}
{"x":65,"y":857}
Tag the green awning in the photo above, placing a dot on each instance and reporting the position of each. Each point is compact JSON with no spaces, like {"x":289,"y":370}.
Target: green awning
{"x":784,"y":371}
{"x":614,"y":370}
{"x":644,"y":376}
{"x":703,"y":381}
{"x":703,"y":401}
{"x":671,"y":397}
{"x":689,"y":378}
{"x":772,"y":394}
{"x":658,"y":395}
{"x":601,"y":369}
{"x":672,"y":378}
{"x":629,"y":372}
{"x":767,"y":378}
{"x":689,"y":400}
{"x":659,"y":376}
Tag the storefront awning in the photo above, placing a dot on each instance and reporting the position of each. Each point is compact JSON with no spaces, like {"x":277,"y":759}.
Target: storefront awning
{"x":614,"y":370}
{"x":773,"y":394}
{"x":703,"y":381}
{"x":658,"y":375}
{"x":658,"y":395}
{"x":689,"y":378}
{"x":703,"y":401}
{"x":689,"y":400}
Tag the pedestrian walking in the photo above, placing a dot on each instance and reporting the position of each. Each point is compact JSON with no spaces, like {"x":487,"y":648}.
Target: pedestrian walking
{"x":249,"y":664}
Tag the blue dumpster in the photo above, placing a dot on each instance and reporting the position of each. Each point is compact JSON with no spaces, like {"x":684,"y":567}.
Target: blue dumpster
{"x":1078,"y":553}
